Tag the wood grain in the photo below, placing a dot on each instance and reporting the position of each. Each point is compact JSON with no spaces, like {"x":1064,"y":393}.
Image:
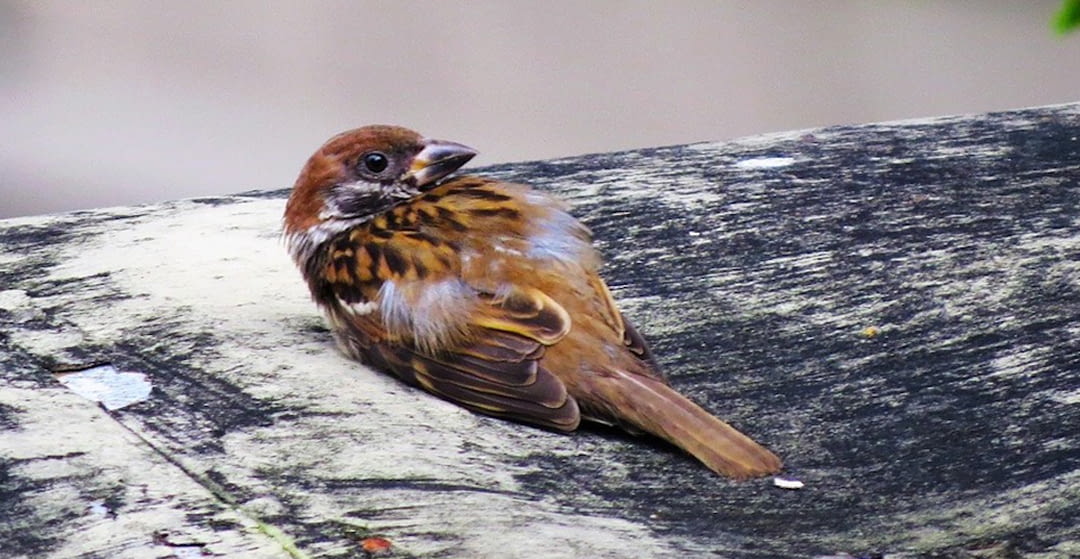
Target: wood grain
{"x":893,"y":308}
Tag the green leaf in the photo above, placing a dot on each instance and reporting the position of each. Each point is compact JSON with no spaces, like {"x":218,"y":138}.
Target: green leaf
{"x":1068,"y":17}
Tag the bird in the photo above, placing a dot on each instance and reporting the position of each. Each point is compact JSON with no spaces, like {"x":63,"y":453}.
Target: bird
{"x":484,"y":293}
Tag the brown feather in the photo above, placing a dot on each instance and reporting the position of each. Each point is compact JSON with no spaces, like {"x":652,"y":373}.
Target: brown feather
{"x":652,"y":406}
{"x":487,"y":294}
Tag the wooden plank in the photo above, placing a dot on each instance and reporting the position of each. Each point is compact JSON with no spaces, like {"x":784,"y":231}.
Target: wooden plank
{"x":894,"y":308}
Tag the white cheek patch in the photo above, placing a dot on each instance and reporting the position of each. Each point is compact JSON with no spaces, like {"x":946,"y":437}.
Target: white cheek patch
{"x":348,"y":199}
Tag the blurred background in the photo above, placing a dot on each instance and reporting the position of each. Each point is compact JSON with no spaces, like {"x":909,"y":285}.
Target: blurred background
{"x":123,"y":102}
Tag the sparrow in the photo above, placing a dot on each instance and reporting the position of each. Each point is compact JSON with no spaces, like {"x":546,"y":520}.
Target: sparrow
{"x":484,"y":293}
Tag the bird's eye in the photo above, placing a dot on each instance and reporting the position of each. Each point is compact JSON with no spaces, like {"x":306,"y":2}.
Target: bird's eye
{"x":375,"y":162}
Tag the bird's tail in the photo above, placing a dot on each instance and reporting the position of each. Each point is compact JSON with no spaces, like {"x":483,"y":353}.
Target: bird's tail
{"x":654,"y":407}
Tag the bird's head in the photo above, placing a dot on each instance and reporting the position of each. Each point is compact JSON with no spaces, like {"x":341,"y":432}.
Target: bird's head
{"x":361,"y":173}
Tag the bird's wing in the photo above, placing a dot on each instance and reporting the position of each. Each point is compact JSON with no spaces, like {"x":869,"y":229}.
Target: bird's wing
{"x":632,"y":339}
{"x":490,"y":362}
{"x":496,"y":369}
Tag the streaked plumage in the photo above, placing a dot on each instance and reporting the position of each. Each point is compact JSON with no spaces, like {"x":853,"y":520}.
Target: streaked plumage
{"x":484,"y":293}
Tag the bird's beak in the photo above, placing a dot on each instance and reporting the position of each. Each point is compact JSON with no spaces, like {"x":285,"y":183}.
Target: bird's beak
{"x":436,"y":160}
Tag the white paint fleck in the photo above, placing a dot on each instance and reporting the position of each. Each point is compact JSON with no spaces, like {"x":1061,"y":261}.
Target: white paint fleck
{"x":765,"y":162}
{"x":785,"y":483}
{"x":114,"y":389}
{"x":98,"y":508}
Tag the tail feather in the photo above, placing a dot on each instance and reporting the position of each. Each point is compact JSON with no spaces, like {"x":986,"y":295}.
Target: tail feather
{"x":654,"y":407}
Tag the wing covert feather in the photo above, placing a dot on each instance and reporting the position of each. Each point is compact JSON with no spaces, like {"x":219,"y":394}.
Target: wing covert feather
{"x":497,"y":370}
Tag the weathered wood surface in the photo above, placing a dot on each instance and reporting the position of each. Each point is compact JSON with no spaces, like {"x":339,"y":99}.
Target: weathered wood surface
{"x":894,"y":308}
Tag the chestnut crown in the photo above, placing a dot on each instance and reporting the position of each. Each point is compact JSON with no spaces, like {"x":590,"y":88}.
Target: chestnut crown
{"x":361,"y":173}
